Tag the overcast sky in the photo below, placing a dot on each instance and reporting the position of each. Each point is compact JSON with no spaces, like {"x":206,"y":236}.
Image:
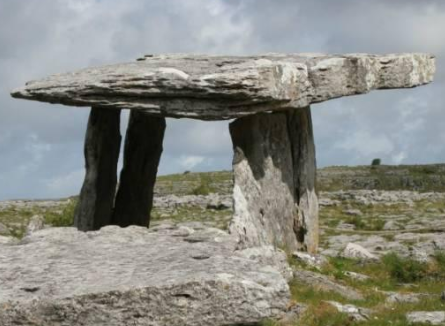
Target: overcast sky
{"x":41,"y":145}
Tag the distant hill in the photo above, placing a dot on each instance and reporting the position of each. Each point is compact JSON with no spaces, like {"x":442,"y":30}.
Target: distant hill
{"x":422,"y":178}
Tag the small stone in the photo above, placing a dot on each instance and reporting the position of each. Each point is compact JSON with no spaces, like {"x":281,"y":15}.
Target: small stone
{"x":316,"y":261}
{"x":355,"y":251}
{"x":36,"y":223}
{"x":345,"y":226}
{"x":357,"y":276}
{"x":353,"y":212}
{"x":354,"y":312}
{"x":391,"y":225}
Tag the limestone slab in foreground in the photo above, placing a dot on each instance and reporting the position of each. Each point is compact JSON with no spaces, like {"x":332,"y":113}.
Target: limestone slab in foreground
{"x":225,"y":87}
{"x":134,"y":276}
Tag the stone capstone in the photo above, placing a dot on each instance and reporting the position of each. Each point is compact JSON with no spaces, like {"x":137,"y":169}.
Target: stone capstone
{"x":168,"y":275}
{"x":225,"y":87}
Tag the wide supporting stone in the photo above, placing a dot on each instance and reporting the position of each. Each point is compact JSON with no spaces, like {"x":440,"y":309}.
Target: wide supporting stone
{"x":274,"y":176}
{"x":264,"y":210}
{"x":304,"y":167}
{"x":143,"y":148}
{"x":102,"y":145}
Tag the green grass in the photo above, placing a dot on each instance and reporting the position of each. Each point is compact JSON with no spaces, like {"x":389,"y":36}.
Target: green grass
{"x":64,"y":218}
{"x":384,"y":276}
{"x":404,"y":270}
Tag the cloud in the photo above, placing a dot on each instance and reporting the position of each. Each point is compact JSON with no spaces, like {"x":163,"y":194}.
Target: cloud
{"x":41,"y":145}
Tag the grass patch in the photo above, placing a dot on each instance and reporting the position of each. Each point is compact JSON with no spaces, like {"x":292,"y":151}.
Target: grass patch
{"x":404,"y":270}
{"x":64,"y":218}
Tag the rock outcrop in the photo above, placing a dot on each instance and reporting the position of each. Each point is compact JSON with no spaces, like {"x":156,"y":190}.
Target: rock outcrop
{"x":134,"y":276}
{"x":218,"y":87}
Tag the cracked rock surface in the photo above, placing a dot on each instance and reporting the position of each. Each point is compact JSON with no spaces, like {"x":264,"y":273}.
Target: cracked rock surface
{"x":168,"y":275}
{"x":226,"y":87}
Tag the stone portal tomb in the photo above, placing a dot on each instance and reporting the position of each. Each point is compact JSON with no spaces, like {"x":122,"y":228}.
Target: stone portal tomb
{"x":269,"y":96}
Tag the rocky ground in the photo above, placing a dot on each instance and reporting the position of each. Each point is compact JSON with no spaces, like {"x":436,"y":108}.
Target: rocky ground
{"x":382,"y":252}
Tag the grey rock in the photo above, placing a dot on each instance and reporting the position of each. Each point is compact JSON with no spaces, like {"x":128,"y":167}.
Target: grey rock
{"x":395,"y":297}
{"x":4,"y":230}
{"x":135,"y":276}
{"x":391,"y":225}
{"x":355,"y":313}
{"x":294,"y":313}
{"x":36,"y":223}
{"x":268,"y":255}
{"x":353,"y":212}
{"x":355,"y":251}
{"x":316,"y":261}
{"x":323,"y":283}
{"x":217,"y":87}
{"x":4,"y":240}
{"x":357,"y":276}
{"x":345,"y":226}
{"x":426,"y":317}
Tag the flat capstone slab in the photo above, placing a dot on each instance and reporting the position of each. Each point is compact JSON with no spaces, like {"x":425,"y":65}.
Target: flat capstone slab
{"x":225,"y":87}
{"x":168,"y":275}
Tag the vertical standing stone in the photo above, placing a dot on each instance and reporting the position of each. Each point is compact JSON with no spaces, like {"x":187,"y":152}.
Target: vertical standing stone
{"x":304,"y":167}
{"x":274,"y":180}
{"x":264,"y":210}
{"x":143,"y":148}
{"x":102,"y":146}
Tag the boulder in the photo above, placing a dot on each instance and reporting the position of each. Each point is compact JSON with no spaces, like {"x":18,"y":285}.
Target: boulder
{"x":170,"y":275}
{"x":221,"y":87}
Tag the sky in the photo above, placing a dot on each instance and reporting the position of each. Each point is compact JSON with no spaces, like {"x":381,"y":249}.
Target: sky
{"x":41,"y":145}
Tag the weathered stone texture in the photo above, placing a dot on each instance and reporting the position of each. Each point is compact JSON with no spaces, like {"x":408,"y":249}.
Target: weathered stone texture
{"x":216,"y":87}
{"x":136,"y":276}
{"x":102,"y":146}
{"x":142,"y":152}
{"x":274,"y":180}
{"x":301,"y":135}
{"x":264,"y":209}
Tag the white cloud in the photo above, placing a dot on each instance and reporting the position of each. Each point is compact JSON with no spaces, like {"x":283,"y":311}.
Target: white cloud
{"x":189,"y":162}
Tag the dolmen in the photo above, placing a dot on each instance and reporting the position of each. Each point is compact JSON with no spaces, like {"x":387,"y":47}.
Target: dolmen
{"x":187,"y":274}
{"x":269,"y":98}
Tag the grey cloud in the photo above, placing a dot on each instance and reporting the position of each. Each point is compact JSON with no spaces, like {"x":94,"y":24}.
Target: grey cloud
{"x":41,"y":144}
